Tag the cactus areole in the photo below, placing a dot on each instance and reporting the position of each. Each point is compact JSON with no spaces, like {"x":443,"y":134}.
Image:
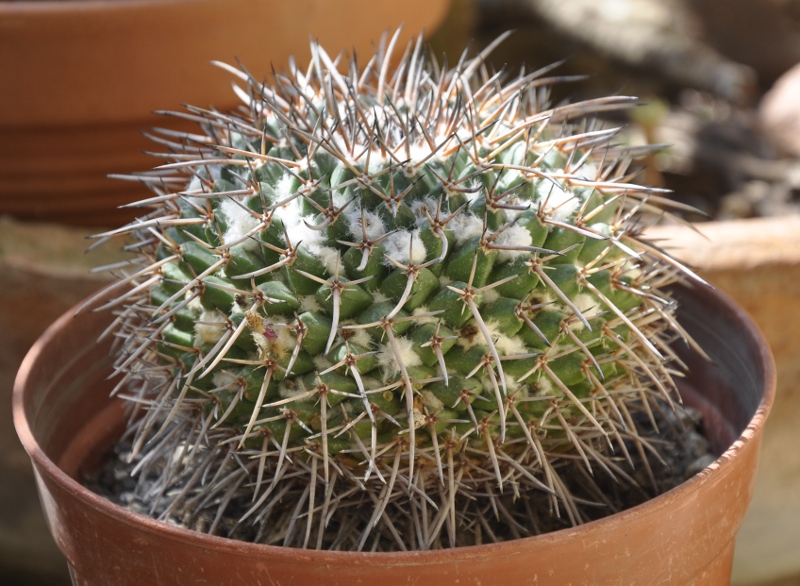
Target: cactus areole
{"x":392,"y":306}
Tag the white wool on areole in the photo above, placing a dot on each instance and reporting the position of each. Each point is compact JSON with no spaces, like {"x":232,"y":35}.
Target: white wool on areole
{"x":545,"y":387}
{"x":474,"y":190}
{"x":400,"y":243}
{"x":510,"y":345}
{"x":309,"y":303}
{"x":195,"y":304}
{"x":490,"y":296}
{"x":512,"y":384}
{"x":601,"y":228}
{"x":586,"y":303}
{"x":372,"y":160}
{"x":285,"y":186}
{"x":505,"y":345}
{"x":422,"y":208}
{"x":363,"y":223}
{"x":547,"y":300}
{"x":562,"y":347}
{"x":431,"y":401}
{"x":328,"y":256}
{"x":476,"y":339}
{"x":196,"y":185}
{"x":421,"y":151}
{"x":421,"y":318}
{"x":223,"y":379}
{"x":288,"y":389}
{"x":556,"y":199}
{"x":361,"y":337}
{"x":511,"y":243}
{"x":240,"y":223}
{"x":515,"y":206}
{"x":465,"y":226}
{"x":209,"y":328}
{"x":588,"y":171}
{"x":298,"y":229}
{"x":321,"y":363}
{"x":297,"y":224}
{"x":379,"y":297}
{"x":390,"y":363}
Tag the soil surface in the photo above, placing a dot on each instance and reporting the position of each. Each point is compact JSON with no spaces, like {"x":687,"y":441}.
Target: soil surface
{"x":679,"y":452}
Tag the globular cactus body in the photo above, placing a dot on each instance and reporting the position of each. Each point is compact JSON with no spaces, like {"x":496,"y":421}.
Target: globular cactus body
{"x":386,"y":308}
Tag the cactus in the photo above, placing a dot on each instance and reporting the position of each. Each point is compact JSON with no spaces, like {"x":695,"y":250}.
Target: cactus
{"x":392,"y":307}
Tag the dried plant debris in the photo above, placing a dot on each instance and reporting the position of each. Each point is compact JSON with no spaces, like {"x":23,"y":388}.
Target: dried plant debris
{"x":391,"y":308}
{"x":662,"y":39}
{"x":730,"y":147}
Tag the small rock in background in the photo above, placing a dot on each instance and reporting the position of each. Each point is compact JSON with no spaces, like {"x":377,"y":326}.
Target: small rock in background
{"x":745,"y":202}
{"x":779,"y":113}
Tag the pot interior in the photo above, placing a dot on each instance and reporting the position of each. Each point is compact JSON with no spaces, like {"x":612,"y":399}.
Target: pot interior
{"x":72,"y":376}
{"x":728,"y":387}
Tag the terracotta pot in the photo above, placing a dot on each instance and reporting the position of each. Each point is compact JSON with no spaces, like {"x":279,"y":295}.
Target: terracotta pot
{"x":757,"y":263}
{"x":81,"y":80}
{"x":686,"y":536}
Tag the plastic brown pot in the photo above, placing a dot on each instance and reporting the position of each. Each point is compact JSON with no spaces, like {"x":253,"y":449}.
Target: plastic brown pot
{"x":82,"y":78}
{"x":686,"y":536}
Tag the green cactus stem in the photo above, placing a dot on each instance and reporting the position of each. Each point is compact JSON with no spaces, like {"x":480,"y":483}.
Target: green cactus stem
{"x":392,"y":307}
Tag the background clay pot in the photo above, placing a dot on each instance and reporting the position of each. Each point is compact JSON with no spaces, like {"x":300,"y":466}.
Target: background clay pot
{"x":686,"y":536}
{"x":81,"y":80}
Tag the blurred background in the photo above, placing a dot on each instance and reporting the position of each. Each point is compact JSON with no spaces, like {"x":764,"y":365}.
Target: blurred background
{"x":719,"y":81}
{"x":715,"y":80}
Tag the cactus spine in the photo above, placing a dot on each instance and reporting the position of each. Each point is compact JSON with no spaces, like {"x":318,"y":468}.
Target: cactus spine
{"x":392,"y":307}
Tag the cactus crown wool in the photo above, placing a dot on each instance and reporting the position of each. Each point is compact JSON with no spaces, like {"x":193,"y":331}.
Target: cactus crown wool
{"x":392,"y":306}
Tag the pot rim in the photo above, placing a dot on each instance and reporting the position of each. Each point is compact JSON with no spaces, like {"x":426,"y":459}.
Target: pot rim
{"x":222,"y":544}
